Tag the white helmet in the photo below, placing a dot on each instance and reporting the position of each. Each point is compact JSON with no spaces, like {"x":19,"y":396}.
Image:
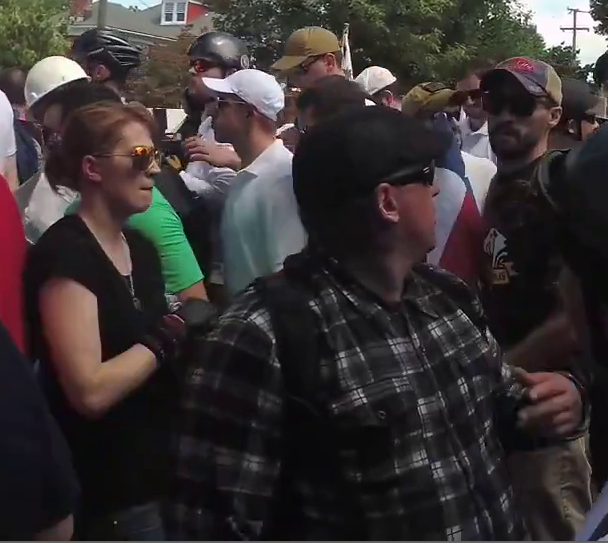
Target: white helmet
{"x":49,"y":74}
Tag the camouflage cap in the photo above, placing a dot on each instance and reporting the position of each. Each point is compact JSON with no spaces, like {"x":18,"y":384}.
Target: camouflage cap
{"x":537,"y":77}
{"x":305,"y":43}
{"x":430,"y":97}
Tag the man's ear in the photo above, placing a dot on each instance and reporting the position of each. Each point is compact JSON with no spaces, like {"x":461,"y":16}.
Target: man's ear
{"x":572,"y":127}
{"x":555,"y":116}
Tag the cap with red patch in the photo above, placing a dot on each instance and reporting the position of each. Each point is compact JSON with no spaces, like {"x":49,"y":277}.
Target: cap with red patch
{"x":537,"y":77}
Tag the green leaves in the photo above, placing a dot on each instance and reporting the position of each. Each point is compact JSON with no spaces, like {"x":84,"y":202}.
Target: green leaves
{"x":31,"y":30}
{"x":417,"y":39}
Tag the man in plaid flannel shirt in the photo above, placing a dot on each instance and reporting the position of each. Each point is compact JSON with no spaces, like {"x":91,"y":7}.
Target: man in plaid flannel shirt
{"x":414,"y":410}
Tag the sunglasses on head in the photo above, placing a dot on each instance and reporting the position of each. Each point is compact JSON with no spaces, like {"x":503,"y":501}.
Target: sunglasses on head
{"x":143,"y":157}
{"x":519,"y":105}
{"x":413,"y":174}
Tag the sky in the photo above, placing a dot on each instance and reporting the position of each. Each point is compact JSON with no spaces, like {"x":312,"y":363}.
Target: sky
{"x":549,"y":16}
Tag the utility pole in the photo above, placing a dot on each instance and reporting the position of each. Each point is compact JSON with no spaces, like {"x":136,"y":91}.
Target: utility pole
{"x":102,"y":13}
{"x":574,"y":28}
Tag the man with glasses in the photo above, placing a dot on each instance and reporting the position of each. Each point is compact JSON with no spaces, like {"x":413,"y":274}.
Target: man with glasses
{"x":463,"y":180}
{"x":310,"y":54}
{"x":473,"y":125}
{"x":260,"y":224}
{"x":584,"y":110}
{"x":211,"y":165}
{"x":520,"y":270}
{"x":357,"y":394}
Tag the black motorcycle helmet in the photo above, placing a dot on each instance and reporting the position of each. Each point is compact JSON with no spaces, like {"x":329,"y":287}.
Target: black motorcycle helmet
{"x":102,"y":46}
{"x":222,"y":49}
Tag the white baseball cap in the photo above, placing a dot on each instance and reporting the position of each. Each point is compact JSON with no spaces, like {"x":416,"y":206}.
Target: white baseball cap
{"x":257,"y":88}
{"x":375,"y":78}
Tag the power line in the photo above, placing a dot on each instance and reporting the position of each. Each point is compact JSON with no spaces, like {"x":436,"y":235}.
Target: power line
{"x":574,"y":28}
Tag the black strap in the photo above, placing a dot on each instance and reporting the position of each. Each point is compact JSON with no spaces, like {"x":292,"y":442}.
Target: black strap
{"x":458,"y":292}
{"x":309,"y":441}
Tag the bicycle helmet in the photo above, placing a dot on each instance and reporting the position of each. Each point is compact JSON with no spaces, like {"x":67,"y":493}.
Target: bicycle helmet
{"x":221,"y":48}
{"x":103,"y":46}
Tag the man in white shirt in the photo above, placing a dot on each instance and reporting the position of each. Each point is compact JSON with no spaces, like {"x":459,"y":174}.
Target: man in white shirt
{"x":260,"y":225}
{"x":474,"y":124}
{"x":8,"y":145}
{"x":211,"y":165}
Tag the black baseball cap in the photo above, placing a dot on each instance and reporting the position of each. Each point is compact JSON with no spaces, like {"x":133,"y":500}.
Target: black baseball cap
{"x":351,"y":153}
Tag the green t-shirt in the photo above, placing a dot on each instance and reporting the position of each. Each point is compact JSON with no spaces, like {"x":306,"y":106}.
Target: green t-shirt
{"x":163,"y":227}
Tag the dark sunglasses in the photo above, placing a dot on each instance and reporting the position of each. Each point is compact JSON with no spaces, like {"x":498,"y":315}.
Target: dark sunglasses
{"x":592,"y":119}
{"x":304,"y":67}
{"x":520,"y":105}
{"x":143,"y":157}
{"x":200,"y":65}
{"x":413,"y":174}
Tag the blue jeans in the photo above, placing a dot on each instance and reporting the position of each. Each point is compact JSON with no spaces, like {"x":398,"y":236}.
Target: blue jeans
{"x":137,"y":523}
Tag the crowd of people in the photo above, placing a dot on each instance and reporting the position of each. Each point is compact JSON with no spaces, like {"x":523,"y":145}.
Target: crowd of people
{"x":325,"y":309}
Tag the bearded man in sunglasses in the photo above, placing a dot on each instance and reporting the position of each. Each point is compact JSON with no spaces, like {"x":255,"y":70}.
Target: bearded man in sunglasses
{"x":520,"y":270}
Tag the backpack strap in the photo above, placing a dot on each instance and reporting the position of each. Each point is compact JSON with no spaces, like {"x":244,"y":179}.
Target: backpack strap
{"x":309,"y":442}
{"x":458,"y":291}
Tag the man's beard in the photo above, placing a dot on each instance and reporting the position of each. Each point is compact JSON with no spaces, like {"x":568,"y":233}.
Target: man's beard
{"x":519,"y":147}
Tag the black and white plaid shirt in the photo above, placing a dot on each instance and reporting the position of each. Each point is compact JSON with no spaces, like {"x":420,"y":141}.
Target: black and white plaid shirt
{"x":414,"y":394}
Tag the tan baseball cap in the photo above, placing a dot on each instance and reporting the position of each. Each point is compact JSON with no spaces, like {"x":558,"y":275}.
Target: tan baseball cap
{"x":430,"y":97}
{"x":305,"y":43}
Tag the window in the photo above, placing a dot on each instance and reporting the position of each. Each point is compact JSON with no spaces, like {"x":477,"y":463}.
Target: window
{"x":169,"y":8}
{"x":180,"y":12}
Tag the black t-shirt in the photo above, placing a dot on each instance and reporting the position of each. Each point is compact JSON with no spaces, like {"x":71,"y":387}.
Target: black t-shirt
{"x":38,"y":484}
{"x":520,"y":261}
{"x":119,"y":458}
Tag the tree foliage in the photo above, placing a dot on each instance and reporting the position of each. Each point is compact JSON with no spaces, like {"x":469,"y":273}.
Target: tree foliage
{"x":161,"y":80}
{"x":599,"y":13}
{"x":562,"y":59}
{"x":31,"y":30}
{"x":417,"y":39}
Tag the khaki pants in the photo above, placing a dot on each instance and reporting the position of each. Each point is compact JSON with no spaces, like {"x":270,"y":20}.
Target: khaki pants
{"x":553,"y":488}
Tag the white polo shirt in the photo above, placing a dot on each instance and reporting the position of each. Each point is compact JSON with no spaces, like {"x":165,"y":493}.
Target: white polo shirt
{"x":260,"y":226}
{"x":476,"y":143}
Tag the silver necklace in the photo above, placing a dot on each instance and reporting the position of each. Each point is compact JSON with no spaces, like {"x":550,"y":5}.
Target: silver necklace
{"x":127,"y":256}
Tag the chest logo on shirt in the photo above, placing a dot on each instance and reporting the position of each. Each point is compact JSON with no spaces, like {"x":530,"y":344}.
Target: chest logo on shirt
{"x":495,"y":247}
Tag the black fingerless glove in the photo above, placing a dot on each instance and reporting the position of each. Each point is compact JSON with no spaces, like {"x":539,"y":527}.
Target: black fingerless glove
{"x":199,"y":316}
{"x":165,"y":338}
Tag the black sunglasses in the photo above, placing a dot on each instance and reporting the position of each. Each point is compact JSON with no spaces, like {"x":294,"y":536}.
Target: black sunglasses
{"x":413,"y":174}
{"x":520,"y":105}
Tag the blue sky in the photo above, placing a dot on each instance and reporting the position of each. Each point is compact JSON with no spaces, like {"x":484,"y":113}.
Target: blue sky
{"x":549,"y":15}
